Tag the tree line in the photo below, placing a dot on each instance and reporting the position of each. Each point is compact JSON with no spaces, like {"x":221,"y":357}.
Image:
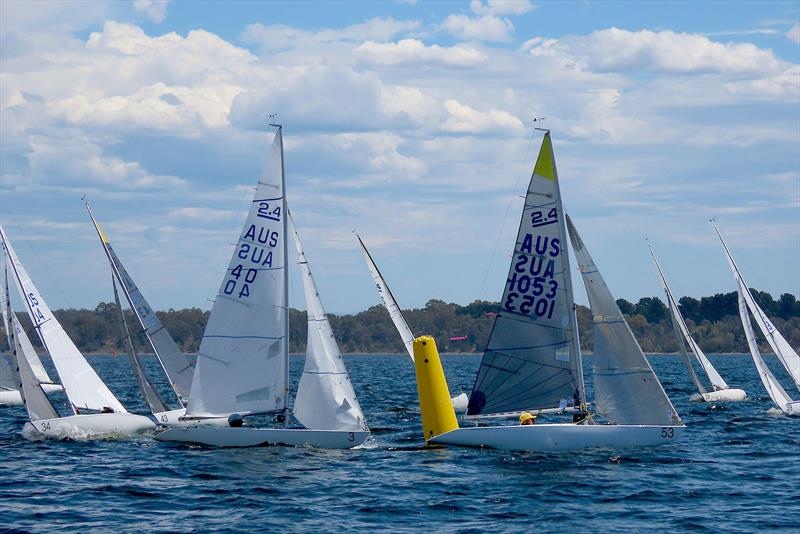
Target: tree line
{"x":714,"y":323}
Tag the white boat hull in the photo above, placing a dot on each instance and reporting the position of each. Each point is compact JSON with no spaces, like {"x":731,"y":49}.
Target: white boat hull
{"x":90,"y":425}
{"x":792,"y":408}
{"x":255,"y":437}
{"x":722,"y":395}
{"x":560,"y":437}
{"x":11,"y":397}
{"x":173,"y":418}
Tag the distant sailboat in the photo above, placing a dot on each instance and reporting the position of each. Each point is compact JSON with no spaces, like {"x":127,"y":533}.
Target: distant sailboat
{"x":785,"y":353}
{"x":721,"y":392}
{"x":532,"y":361}
{"x":243,"y":364}
{"x":9,"y":387}
{"x":461,"y":400}
{"x":96,"y":410}
{"x":175,"y":365}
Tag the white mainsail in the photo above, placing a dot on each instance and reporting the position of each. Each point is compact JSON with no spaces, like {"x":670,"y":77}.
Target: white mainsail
{"x":176,"y":366}
{"x":325,"y":398}
{"x":626,"y":389}
{"x":389,"y":301}
{"x":785,"y":353}
{"x":82,"y":385}
{"x":30,"y":352}
{"x":685,"y":336}
{"x":771,"y":384}
{"x":243,"y":362}
{"x":532,"y":359}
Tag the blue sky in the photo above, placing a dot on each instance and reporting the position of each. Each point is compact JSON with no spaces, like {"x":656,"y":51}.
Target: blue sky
{"x":409,"y":122}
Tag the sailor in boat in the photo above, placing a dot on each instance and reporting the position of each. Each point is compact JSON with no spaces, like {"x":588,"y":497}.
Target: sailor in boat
{"x":527,"y":419}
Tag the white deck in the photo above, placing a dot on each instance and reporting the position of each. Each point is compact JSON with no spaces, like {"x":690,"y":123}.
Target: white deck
{"x":89,"y":425}
{"x":255,"y":437}
{"x":560,"y":437}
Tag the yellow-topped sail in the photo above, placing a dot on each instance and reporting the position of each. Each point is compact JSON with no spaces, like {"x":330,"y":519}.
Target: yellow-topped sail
{"x":435,"y":405}
{"x":545,"y":163}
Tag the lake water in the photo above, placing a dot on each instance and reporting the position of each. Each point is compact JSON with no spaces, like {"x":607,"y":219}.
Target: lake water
{"x":737,"y":469}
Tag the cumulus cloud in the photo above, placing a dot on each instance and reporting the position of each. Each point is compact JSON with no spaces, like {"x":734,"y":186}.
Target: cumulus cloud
{"x":501,"y":7}
{"x":463,"y":118}
{"x":616,"y":50}
{"x":484,"y":28}
{"x":415,"y":51}
{"x":155,"y":10}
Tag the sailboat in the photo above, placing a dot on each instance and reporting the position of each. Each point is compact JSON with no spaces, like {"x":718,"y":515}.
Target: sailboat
{"x":174,"y":364}
{"x":10,"y":394}
{"x":242,"y":367}
{"x":785,"y":353}
{"x":95,"y":409}
{"x":461,"y":400}
{"x":532,"y":361}
{"x":721,"y":392}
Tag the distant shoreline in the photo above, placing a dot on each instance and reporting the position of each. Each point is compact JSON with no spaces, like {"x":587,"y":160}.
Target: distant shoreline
{"x":406,"y":355}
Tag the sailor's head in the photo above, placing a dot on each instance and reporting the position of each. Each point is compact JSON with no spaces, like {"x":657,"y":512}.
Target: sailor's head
{"x":235,"y":420}
{"x":527,"y":419}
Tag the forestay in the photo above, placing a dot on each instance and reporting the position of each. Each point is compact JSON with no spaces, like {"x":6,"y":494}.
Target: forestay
{"x":785,"y":353}
{"x":176,"y":366}
{"x":82,"y":386}
{"x":242,"y":365}
{"x":626,"y":389}
{"x":685,"y":337}
{"x":771,"y":384}
{"x":389,"y":301}
{"x":532,"y":359}
{"x":325,"y":398}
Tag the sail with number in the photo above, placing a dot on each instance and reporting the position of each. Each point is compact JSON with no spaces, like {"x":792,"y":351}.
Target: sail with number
{"x":325,"y":398}
{"x":626,"y":389}
{"x":685,"y":339}
{"x":532,"y":359}
{"x":389,"y":301}
{"x":242,"y":364}
{"x":83,"y":386}
{"x":176,"y":366}
{"x":785,"y":353}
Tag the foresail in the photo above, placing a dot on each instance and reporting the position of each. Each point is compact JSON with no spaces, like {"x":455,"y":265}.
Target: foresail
{"x":771,"y":384}
{"x":242,"y":365}
{"x":686,"y":338}
{"x":82,"y":385}
{"x":325,"y":397}
{"x":36,"y":402}
{"x":388,"y":300}
{"x":785,"y":353}
{"x":176,"y":366}
{"x":532,"y":360}
{"x":626,"y":389}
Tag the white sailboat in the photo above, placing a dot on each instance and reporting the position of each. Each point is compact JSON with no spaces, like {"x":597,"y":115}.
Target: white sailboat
{"x":461,"y":400}
{"x":10,"y":394}
{"x":242,"y":367}
{"x":175,"y":365}
{"x":721,"y":392}
{"x":785,"y":353}
{"x":532,"y":361}
{"x":95,"y":409}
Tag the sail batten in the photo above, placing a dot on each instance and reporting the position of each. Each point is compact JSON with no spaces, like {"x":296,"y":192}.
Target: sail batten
{"x":627,"y":390}
{"x":242,"y":367}
{"x":325,"y":398}
{"x":532,"y":358}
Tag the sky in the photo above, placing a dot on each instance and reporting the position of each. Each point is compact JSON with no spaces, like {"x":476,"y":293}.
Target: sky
{"x":409,"y":122}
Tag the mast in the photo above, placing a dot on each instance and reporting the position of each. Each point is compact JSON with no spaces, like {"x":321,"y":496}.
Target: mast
{"x":286,"y":270}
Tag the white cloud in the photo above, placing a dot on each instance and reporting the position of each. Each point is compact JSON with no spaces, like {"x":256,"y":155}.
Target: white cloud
{"x":463,"y":118}
{"x":484,"y":28}
{"x":501,"y":7}
{"x":794,"y":33}
{"x":155,"y":10}
{"x":415,"y":51}
{"x":616,"y":50}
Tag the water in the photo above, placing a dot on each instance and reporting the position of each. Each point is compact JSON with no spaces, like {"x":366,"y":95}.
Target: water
{"x":736,"y":470}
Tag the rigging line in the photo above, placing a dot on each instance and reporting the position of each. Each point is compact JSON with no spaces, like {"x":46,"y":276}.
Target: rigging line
{"x":526,"y":155}
{"x":37,"y":256}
